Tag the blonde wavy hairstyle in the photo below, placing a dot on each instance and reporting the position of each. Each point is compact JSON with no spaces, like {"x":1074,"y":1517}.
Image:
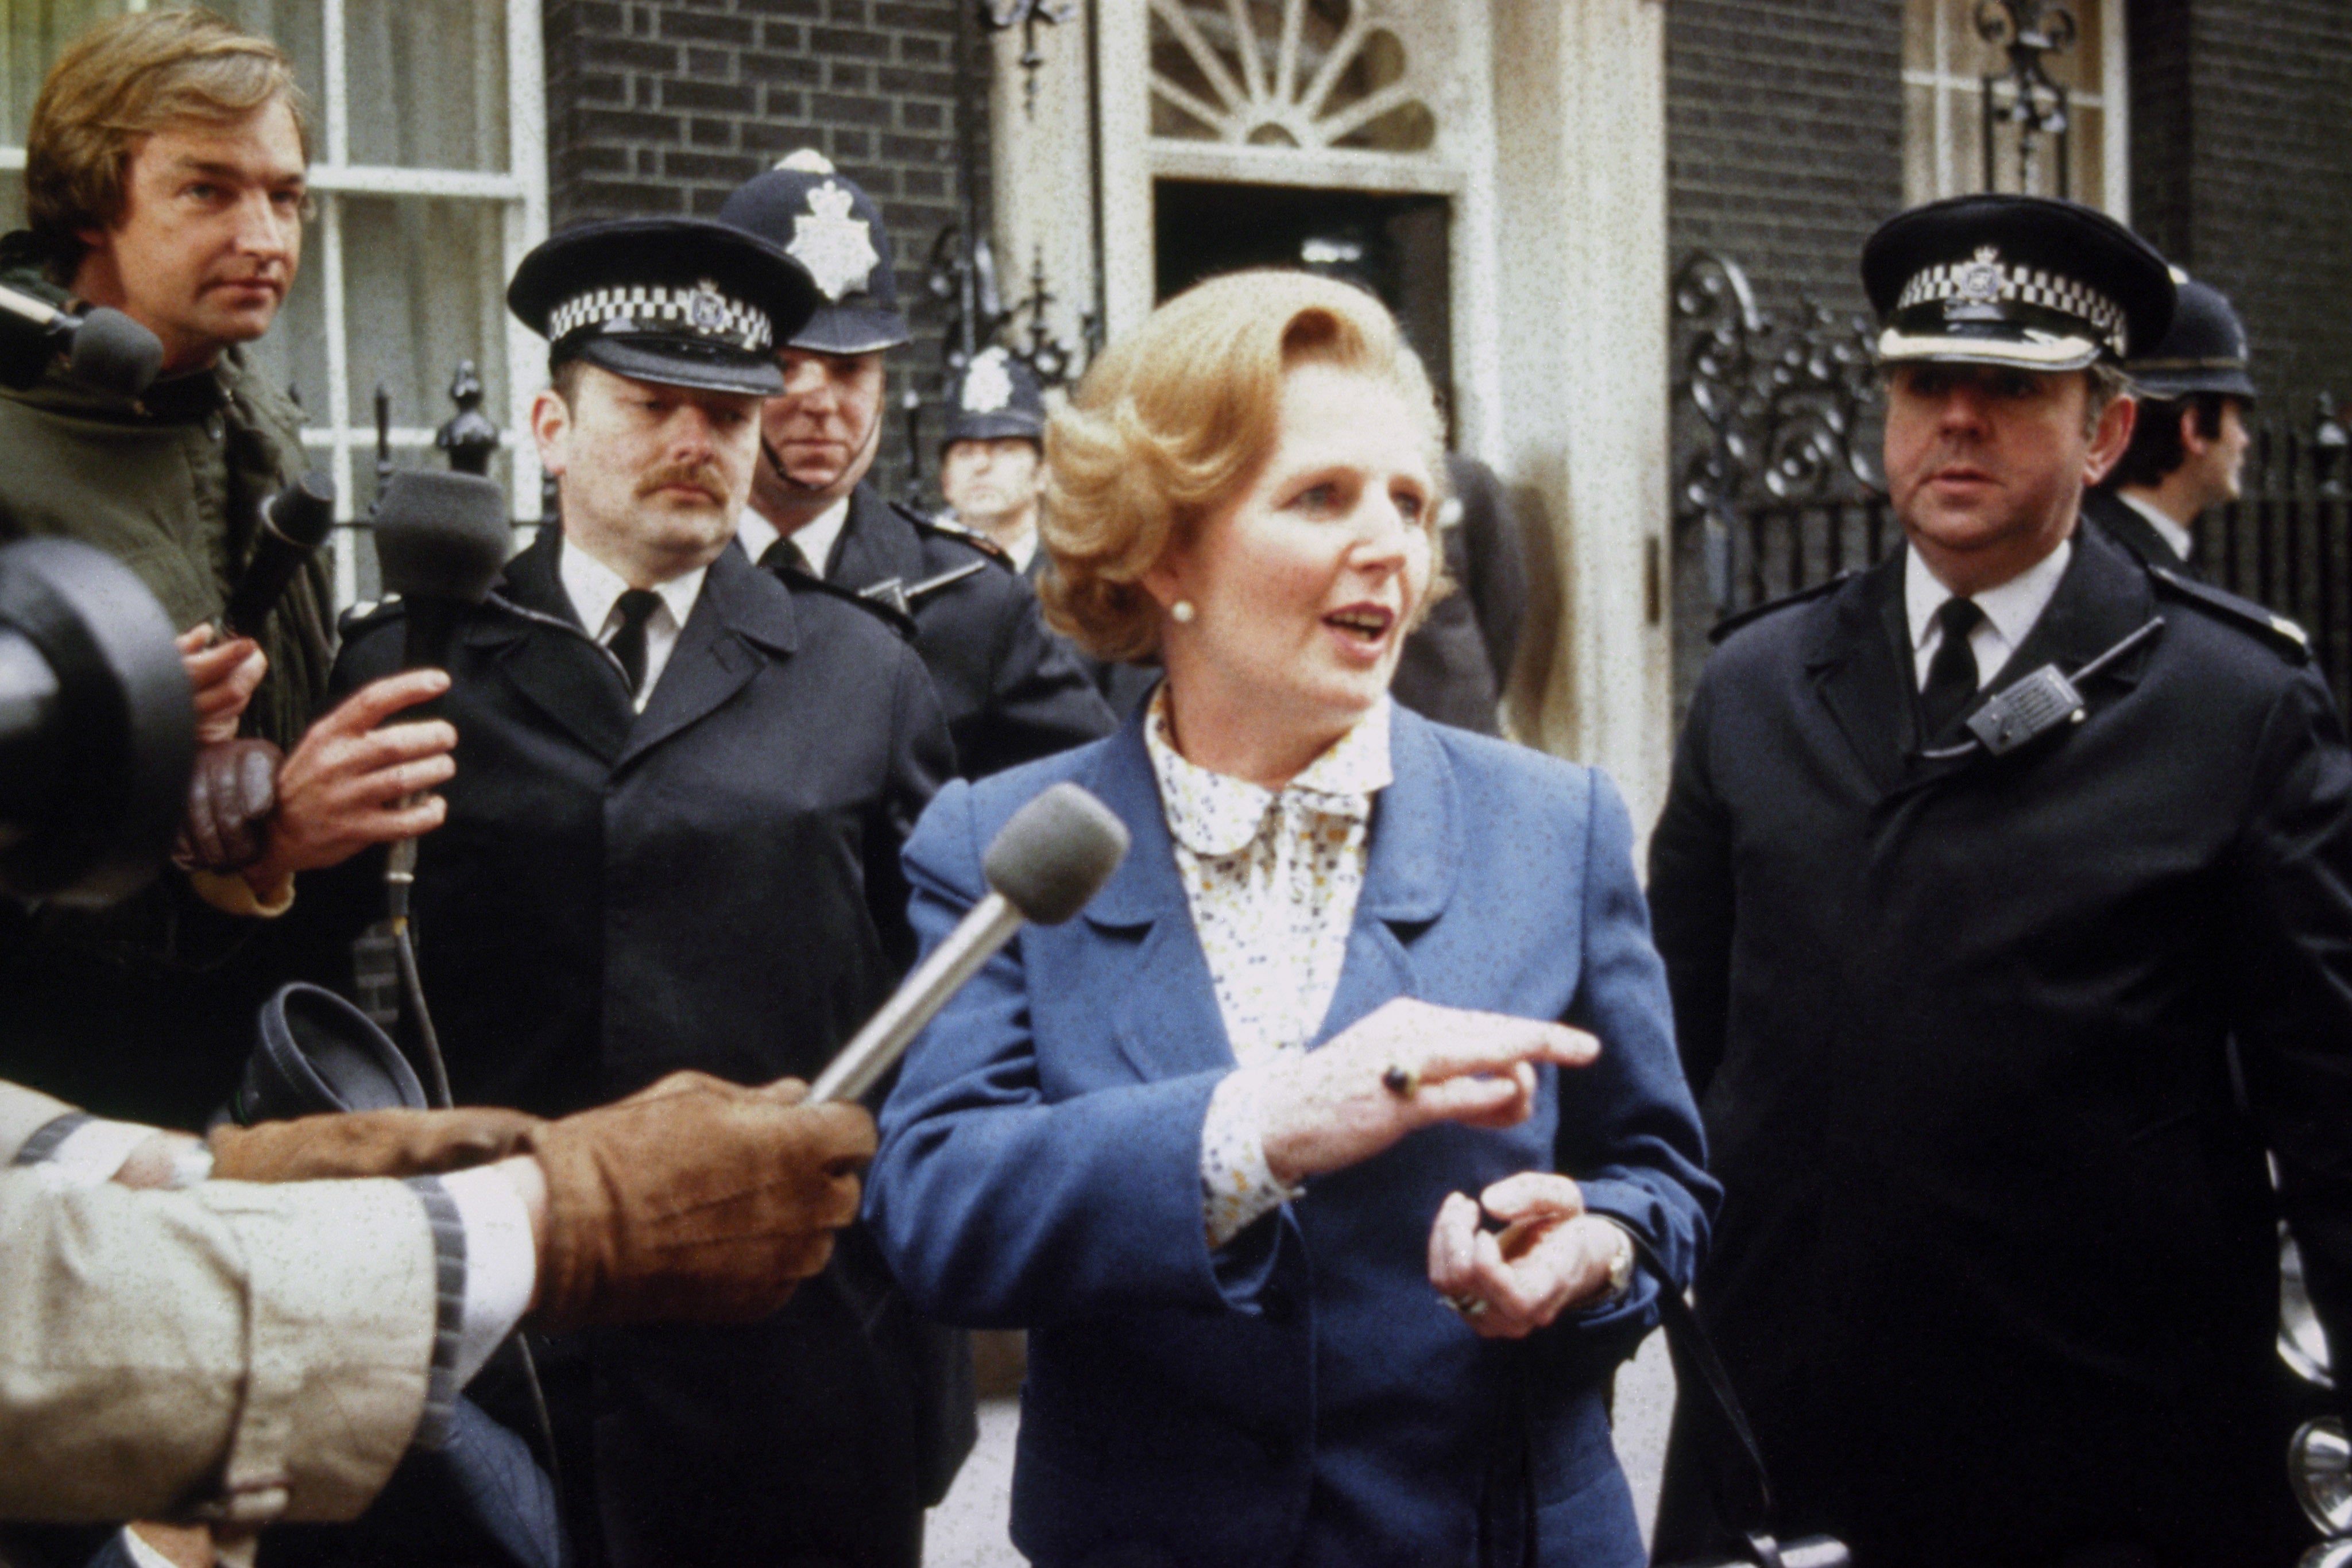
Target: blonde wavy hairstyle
{"x":118,"y":83}
{"x":1173,"y":421}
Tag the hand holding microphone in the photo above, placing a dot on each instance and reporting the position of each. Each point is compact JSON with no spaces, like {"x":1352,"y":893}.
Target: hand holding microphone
{"x":234,"y":790}
{"x":355,"y":780}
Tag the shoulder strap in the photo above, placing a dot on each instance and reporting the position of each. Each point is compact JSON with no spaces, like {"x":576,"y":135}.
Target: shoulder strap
{"x":2281,"y":634}
{"x":1687,"y":1335}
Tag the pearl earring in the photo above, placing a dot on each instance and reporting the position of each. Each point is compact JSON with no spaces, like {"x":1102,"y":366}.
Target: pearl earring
{"x":1182,"y":612}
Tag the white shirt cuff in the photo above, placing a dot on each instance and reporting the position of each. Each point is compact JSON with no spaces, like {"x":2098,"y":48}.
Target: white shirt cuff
{"x":502,"y":1262}
{"x":1236,"y":1187}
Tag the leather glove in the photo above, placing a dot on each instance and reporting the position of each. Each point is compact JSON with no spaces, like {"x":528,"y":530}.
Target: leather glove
{"x":696,"y":1200}
{"x":368,"y":1144}
{"x":230,"y":797}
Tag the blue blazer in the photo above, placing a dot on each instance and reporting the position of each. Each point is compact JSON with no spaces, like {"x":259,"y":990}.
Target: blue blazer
{"x":1300,"y":1396}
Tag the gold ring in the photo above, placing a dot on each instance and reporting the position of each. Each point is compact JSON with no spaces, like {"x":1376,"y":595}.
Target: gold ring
{"x":1404,"y":1083}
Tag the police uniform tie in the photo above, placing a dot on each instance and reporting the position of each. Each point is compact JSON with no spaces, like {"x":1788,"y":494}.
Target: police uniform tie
{"x":784,"y":554}
{"x":1952,"y":672}
{"x":628,"y":643}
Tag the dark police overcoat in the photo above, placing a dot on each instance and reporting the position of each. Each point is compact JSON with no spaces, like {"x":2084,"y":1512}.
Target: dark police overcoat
{"x":713,"y":884}
{"x":1996,"y":1266}
{"x":1013,"y":690}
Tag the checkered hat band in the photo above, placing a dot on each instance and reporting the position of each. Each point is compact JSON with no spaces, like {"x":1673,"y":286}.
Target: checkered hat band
{"x":703,"y":311}
{"x":2025,"y":284}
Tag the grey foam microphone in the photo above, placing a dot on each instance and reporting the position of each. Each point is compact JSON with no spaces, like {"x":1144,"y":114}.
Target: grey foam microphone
{"x":441,"y":539}
{"x":113,"y":353}
{"x":105,"y":350}
{"x":1045,"y":863}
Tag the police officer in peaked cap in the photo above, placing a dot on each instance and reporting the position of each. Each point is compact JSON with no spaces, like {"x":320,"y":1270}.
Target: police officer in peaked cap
{"x":672,"y":843}
{"x":1012,"y":691}
{"x":1956,"y":972}
{"x":2188,"y":448}
{"x":992,"y":454}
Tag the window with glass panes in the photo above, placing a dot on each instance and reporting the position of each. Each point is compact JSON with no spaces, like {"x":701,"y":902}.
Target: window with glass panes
{"x":1946,"y":59}
{"x":429,"y":166}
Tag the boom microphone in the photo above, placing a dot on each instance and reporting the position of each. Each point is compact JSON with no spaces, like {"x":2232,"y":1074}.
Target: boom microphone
{"x":105,"y":351}
{"x":294,"y":523}
{"x":1052,"y":856}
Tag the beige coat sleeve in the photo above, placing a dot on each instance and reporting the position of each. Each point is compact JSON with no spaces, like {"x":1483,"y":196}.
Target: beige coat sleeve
{"x":22,"y":1112}
{"x":230,"y":1351}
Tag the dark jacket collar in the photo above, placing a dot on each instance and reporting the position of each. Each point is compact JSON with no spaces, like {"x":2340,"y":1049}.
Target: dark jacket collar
{"x":1859,"y":652}
{"x":741,"y":617}
{"x":2126,"y":526}
{"x":875,"y":544}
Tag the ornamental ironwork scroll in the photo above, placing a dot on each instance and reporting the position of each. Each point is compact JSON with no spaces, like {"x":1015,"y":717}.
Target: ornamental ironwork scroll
{"x":1004,"y":16}
{"x":1769,"y":416}
{"x":2025,"y":95}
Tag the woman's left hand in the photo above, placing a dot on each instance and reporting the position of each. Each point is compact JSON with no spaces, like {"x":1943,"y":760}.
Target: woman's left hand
{"x":1550,"y":1257}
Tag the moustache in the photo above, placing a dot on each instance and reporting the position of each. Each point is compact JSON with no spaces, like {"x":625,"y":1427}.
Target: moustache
{"x":696,"y":476}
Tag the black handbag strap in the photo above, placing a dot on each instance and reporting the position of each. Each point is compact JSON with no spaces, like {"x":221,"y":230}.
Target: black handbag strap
{"x":1688,"y":1337}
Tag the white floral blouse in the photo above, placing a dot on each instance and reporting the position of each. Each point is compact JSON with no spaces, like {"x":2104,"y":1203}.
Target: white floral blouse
{"x":1272,"y":877}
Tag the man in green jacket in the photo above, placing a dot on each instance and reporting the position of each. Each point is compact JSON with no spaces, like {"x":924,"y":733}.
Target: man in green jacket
{"x":164,"y":177}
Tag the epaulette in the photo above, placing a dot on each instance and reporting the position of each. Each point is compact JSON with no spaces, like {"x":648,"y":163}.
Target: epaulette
{"x":367,"y":613}
{"x":2282,"y":635}
{"x":1733,"y":622}
{"x":948,"y":528}
{"x":889,"y":614}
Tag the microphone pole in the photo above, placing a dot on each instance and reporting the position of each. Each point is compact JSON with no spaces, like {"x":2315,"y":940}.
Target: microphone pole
{"x":441,"y":539}
{"x":1049,"y":859}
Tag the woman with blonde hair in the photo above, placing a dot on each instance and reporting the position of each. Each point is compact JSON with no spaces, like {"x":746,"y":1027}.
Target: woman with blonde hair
{"x":1312,"y":1153}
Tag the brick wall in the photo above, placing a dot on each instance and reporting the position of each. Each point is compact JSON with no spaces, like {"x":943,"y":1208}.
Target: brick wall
{"x":1784,"y":150}
{"x":1784,"y":137}
{"x":2241,"y":114}
{"x":666,"y":106}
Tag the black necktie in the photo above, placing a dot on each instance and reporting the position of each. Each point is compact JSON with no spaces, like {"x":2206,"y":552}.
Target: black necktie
{"x":1952,"y":672}
{"x":785,"y":553}
{"x":628,"y":644}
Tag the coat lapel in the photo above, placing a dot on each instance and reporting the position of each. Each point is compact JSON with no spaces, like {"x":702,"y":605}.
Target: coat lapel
{"x":561,"y":672}
{"x":1856,"y":665}
{"x":740,"y":611}
{"x":2103,"y":598}
{"x":1409,"y":875}
{"x":1167,"y":1021}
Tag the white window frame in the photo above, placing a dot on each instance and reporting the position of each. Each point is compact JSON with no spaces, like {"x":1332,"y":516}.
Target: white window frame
{"x":344,"y":435}
{"x":2113,"y":101}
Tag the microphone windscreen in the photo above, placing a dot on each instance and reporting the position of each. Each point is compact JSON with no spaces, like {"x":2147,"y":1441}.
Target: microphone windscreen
{"x":304,"y":512}
{"x":1054,"y":854}
{"x":441,"y":536}
{"x":112,"y":353}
